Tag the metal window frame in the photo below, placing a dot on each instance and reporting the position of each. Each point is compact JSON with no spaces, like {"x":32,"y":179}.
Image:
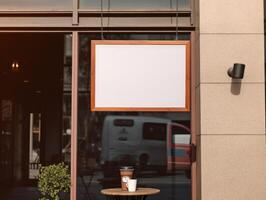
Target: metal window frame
{"x":74,"y":98}
{"x":74,"y":115}
{"x":75,"y":13}
{"x":194,"y":177}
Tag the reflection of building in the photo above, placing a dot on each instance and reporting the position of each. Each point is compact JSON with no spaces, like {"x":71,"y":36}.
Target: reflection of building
{"x":228,"y":117}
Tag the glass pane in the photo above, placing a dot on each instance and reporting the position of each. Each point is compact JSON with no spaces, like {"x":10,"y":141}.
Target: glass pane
{"x":36,"y":4}
{"x":135,"y":4}
{"x":155,"y":144}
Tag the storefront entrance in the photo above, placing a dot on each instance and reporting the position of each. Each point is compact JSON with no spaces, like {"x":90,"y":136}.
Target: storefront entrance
{"x":31,"y":106}
{"x":36,"y":128}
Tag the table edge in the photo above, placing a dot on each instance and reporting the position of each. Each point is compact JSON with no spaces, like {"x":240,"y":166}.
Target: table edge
{"x":132,"y":193}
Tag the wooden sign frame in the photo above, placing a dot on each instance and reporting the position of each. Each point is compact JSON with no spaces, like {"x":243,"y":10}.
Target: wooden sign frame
{"x":185,"y":43}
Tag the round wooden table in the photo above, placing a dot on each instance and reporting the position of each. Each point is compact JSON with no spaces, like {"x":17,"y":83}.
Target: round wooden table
{"x":119,"y":194}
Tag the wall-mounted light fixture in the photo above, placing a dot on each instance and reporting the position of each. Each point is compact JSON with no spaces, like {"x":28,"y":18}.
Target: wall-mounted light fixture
{"x":15,"y":66}
{"x":237,"y":71}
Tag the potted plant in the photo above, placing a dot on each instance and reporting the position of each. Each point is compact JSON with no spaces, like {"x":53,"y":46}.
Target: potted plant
{"x":53,"y":180}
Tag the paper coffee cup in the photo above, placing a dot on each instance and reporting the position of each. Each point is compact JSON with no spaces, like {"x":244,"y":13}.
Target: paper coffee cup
{"x":132,"y":185}
{"x":126,"y":173}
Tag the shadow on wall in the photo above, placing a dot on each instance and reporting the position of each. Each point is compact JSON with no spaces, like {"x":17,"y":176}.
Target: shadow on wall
{"x":236,"y":86}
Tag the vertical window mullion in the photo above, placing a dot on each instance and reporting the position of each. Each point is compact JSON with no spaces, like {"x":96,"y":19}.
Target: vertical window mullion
{"x":74,"y":115}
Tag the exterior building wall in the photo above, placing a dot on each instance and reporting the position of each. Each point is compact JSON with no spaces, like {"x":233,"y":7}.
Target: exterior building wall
{"x":230,"y":115}
{"x":231,"y":143}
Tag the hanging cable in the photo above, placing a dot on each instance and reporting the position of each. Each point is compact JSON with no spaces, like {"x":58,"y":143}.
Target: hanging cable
{"x":102,"y":20}
{"x":176,"y":36}
{"x":171,"y":7}
{"x":109,"y":7}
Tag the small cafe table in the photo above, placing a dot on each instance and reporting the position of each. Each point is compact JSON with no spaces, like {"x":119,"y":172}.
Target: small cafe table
{"x":119,"y":194}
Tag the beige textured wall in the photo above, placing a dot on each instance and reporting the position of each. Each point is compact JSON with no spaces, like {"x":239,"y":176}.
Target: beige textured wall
{"x":232,"y":146}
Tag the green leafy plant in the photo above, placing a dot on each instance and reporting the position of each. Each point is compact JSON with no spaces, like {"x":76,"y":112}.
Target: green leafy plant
{"x":53,"y":179}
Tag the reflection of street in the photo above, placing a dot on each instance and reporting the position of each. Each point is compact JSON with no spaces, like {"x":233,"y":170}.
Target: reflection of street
{"x":173,"y":187}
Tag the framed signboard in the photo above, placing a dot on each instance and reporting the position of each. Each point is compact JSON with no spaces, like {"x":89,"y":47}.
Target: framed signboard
{"x":140,"y":75}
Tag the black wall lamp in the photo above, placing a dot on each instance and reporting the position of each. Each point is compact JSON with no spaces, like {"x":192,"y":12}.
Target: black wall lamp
{"x":237,"y":71}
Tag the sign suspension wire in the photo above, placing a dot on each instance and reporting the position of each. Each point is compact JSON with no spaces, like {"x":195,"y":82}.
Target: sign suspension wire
{"x":176,"y":36}
{"x":109,"y":7}
{"x":102,"y":37}
{"x":171,"y":7}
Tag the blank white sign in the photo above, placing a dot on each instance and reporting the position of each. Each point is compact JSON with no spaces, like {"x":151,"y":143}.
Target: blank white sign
{"x":140,"y":76}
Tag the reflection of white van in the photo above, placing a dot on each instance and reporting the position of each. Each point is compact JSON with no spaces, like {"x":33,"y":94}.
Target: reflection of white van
{"x":138,"y":140}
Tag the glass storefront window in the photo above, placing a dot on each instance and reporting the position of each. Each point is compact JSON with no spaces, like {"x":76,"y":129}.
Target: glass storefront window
{"x":156,"y":144}
{"x":117,"y":5}
{"x":35,"y":5}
